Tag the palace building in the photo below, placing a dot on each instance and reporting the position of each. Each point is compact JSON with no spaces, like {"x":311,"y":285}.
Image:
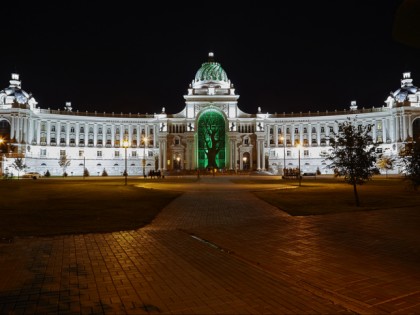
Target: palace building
{"x":211,"y":131}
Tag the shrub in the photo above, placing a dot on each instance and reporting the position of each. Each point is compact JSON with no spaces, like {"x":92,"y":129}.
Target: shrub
{"x":104,"y":173}
{"x":86,"y":172}
{"x":47,"y":173}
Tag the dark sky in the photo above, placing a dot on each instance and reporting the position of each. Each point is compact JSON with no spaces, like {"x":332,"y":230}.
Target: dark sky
{"x":303,"y":55}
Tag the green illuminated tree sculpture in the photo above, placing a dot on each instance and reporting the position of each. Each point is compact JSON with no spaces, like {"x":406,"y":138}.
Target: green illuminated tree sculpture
{"x":211,"y":134}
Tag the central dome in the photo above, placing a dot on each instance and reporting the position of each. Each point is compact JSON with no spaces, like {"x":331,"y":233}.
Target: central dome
{"x":211,"y":71}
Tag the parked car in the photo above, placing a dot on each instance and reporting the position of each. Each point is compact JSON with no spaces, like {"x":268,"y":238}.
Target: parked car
{"x":33,"y":175}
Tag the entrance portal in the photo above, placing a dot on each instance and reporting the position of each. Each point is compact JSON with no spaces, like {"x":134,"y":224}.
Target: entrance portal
{"x":211,"y":140}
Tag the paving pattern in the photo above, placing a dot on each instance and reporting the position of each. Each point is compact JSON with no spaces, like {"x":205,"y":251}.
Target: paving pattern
{"x":218,"y":249}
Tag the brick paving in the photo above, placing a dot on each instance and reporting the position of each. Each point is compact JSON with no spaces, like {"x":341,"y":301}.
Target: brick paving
{"x":218,"y":249}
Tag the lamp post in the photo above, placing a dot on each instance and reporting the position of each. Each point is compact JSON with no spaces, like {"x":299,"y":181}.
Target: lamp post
{"x":1,"y":156}
{"x":178,"y":159}
{"x":284,"y":154}
{"x":125,"y":146}
{"x":300,"y":177}
{"x":144,"y":156}
{"x":244,"y":160}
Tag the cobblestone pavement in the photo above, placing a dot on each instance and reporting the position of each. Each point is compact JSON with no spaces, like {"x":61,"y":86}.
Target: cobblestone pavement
{"x":218,"y":249}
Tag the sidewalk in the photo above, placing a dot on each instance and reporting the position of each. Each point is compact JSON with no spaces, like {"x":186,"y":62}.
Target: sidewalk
{"x":219,"y":249}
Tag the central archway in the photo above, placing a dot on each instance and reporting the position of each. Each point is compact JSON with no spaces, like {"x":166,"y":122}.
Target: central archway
{"x":211,"y":140}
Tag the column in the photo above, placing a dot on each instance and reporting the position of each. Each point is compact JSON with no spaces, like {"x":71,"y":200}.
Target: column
{"x":86,"y":133}
{"x":276,"y":135}
{"x":67,"y":133}
{"x":309,"y":135}
{"x":12,"y":127}
{"x":410,"y":126}
{"x":404,"y":124}
{"x":373,"y":128}
{"x":95,"y":134}
{"x":17,"y":132}
{"x":258,"y":155}
{"x":384,"y":131}
{"x":30,"y":137}
{"x":130,"y":136}
{"x":292,"y":134}
{"x":164,"y":155}
{"x":48,"y":132}
{"x":301,"y":134}
{"x":318,"y":134}
{"x":138,"y":136}
{"x":112,"y":134}
{"x":38,"y":132}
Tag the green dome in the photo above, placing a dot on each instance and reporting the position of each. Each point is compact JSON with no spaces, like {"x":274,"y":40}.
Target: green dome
{"x":211,"y":71}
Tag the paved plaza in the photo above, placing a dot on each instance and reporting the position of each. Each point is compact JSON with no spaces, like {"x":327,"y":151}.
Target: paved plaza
{"x":218,"y":249}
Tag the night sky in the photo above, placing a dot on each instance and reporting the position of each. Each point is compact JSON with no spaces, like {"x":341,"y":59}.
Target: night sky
{"x":304,"y":55}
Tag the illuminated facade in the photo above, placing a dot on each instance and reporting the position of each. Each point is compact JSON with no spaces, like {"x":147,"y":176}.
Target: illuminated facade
{"x":211,"y":131}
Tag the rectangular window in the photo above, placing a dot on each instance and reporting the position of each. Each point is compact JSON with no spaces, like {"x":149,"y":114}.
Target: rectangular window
{"x":117,"y":153}
{"x":99,"y":153}
{"x":379,"y":125}
{"x":81,"y":153}
{"x":43,"y":152}
{"x":62,"y":152}
{"x":289,"y":153}
{"x":133,"y":153}
{"x":305,"y":152}
{"x":150,"y":153}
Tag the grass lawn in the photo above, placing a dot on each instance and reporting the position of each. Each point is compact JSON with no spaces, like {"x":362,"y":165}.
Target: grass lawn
{"x":323,"y":196}
{"x":69,"y":206}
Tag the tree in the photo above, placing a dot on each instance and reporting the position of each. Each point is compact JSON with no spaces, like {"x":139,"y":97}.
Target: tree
{"x":410,"y":157}
{"x":212,"y":135}
{"x":64,"y":162}
{"x":86,"y":172}
{"x":353,"y":154}
{"x":386,"y":163}
{"x":19,"y":165}
{"x":104,"y":173}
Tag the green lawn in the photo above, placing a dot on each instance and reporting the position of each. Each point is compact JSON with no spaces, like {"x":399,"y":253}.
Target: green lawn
{"x":68,"y":206}
{"x":324,"y":196}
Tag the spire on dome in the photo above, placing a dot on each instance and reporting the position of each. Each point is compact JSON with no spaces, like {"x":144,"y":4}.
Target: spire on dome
{"x":15,"y":82}
{"x":211,"y":57}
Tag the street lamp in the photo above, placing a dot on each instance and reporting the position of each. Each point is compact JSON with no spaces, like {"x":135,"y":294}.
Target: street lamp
{"x":284,"y":154}
{"x":1,"y":157}
{"x":144,"y":156}
{"x":125,"y":146}
{"x":244,"y":159}
{"x":300,"y":177}
{"x":178,"y":159}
